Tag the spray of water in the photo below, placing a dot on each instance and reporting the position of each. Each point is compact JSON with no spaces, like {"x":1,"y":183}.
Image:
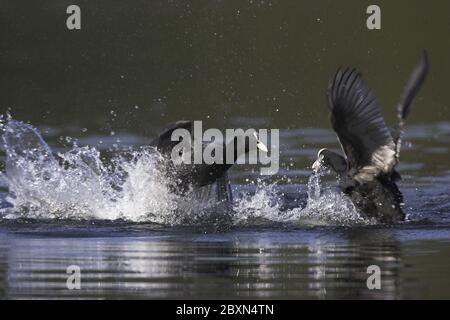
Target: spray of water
{"x":326,"y":205}
{"x":77,"y":184}
{"x":260,"y":207}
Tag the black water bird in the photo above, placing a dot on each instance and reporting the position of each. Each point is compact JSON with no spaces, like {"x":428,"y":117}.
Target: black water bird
{"x":184,"y":177}
{"x":367,"y":171}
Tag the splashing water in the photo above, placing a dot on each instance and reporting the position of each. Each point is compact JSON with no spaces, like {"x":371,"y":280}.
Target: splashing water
{"x":325,"y":206}
{"x":262,"y":205}
{"x":77,"y":185}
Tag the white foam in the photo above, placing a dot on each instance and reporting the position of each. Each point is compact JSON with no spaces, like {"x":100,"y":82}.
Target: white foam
{"x":77,"y":185}
{"x":325,"y":206}
{"x":263,"y":204}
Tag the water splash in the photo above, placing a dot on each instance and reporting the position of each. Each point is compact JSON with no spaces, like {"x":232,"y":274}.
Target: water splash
{"x":260,"y":207}
{"x":326,"y":205}
{"x":77,"y":184}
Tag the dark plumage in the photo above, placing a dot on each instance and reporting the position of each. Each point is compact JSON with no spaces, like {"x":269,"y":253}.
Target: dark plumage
{"x":367,"y":172}
{"x":184,"y":177}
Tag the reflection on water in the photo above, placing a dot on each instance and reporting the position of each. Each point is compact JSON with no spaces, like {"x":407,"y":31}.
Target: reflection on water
{"x":317,"y":263}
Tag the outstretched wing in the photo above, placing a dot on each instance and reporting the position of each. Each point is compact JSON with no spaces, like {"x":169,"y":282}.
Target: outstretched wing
{"x":412,"y":87}
{"x":357,"y":120}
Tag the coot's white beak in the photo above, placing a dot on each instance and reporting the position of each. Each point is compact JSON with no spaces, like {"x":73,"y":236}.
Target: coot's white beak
{"x":261,"y":146}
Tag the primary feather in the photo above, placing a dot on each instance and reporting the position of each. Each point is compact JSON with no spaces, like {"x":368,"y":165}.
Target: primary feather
{"x":357,"y":120}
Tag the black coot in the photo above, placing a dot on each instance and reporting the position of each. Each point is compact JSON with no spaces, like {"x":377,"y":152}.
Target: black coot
{"x":367,"y":171}
{"x":185,"y":177}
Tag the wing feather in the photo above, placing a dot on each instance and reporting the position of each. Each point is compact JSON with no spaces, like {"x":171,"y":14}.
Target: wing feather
{"x":357,"y":120}
{"x":410,"y":91}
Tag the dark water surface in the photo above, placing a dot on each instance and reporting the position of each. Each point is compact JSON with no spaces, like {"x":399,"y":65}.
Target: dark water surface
{"x":250,"y":263}
{"x":137,"y":65}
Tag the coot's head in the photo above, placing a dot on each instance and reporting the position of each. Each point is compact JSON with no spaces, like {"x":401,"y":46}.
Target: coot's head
{"x":330,"y":160}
